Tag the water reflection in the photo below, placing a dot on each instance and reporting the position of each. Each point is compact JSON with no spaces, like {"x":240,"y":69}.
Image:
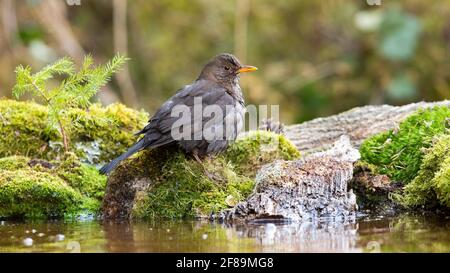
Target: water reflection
{"x":303,"y":237}
{"x":403,"y":233}
{"x":213,"y":237}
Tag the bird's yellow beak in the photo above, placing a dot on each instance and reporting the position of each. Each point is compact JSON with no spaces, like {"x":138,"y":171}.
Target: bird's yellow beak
{"x":247,"y":68}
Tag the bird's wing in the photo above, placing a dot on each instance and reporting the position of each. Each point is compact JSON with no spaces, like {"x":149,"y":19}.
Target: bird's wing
{"x":160,"y":126}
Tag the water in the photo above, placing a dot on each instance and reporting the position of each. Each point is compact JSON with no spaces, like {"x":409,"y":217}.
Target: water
{"x":404,"y":233}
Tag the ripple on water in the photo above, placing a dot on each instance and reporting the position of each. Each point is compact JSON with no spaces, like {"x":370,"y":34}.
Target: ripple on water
{"x":59,"y":237}
{"x":27,"y":242}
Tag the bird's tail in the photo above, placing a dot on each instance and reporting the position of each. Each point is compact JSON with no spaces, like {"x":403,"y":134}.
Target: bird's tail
{"x":132,"y":150}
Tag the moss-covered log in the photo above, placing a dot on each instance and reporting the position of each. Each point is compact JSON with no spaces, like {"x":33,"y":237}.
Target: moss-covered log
{"x":99,"y":135}
{"x":42,"y":189}
{"x":358,"y":123}
{"x":416,"y":154}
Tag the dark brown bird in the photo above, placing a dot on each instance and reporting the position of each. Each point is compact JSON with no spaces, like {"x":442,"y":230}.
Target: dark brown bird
{"x":218,"y":86}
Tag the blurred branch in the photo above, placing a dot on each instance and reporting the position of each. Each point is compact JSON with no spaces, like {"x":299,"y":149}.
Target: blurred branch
{"x":52,"y":15}
{"x":127,"y":89}
{"x":9,"y":22}
{"x":240,"y":29}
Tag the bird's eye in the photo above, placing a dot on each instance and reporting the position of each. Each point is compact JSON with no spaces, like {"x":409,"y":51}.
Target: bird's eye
{"x":227,"y":68}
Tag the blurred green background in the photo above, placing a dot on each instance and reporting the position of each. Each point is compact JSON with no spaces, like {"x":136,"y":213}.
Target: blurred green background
{"x":315,"y":58}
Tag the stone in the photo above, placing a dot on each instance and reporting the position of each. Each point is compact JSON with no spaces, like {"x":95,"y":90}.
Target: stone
{"x":309,"y":188}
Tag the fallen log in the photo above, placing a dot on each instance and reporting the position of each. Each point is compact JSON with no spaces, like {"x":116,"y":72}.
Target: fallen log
{"x":358,"y":123}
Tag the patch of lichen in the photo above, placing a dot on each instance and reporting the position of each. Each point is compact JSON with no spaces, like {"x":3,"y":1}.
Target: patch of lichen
{"x":66,"y":189}
{"x":258,"y":148}
{"x":99,"y":133}
{"x":183,"y":188}
{"x":398,"y":153}
{"x":431,"y":187}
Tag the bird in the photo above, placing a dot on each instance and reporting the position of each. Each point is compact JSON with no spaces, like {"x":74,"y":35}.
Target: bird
{"x":216,"y":86}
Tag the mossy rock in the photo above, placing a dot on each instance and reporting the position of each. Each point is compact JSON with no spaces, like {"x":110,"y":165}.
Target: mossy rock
{"x":100,"y":134}
{"x":399,"y":153}
{"x":431,"y":187}
{"x":166,"y":183}
{"x":249,"y":153}
{"x":41,"y":189}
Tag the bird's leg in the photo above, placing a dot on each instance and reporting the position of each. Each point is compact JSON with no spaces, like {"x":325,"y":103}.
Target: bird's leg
{"x":195,"y":154}
{"x":205,"y":171}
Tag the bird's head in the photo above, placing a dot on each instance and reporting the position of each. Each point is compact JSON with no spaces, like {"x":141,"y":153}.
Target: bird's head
{"x":224,"y":68}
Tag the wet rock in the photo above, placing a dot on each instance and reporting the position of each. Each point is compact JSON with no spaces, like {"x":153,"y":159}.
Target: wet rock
{"x":310,"y":188}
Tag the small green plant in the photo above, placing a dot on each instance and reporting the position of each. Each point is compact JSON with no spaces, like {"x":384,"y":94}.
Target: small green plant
{"x":75,"y":90}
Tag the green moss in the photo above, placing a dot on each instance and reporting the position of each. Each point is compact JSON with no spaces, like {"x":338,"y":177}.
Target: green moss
{"x":24,"y":128}
{"x":399,"y":153}
{"x":67,"y":189}
{"x":431,"y":187}
{"x":184,"y":190}
{"x":34,"y":194}
{"x":13,"y":163}
{"x":83,"y":177}
{"x":112,"y":128}
{"x":441,"y":183}
{"x":181,"y":187}
{"x":257,"y":148}
{"x":99,"y":135}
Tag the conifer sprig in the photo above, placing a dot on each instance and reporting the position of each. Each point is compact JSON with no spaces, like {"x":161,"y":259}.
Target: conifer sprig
{"x":75,"y":90}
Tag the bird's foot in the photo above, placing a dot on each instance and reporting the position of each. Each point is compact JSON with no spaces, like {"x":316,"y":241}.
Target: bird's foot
{"x":213,"y":176}
{"x":207,"y":173}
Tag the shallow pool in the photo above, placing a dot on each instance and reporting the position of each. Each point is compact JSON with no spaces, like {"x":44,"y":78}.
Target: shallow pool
{"x":403,"y":233}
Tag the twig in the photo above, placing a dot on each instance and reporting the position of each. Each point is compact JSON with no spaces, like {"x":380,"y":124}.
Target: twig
{"x":49,"y":102}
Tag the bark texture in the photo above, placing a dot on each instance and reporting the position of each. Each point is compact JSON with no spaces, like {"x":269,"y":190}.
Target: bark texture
{"x":310,"y":188}
{"x":358,"y":123}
